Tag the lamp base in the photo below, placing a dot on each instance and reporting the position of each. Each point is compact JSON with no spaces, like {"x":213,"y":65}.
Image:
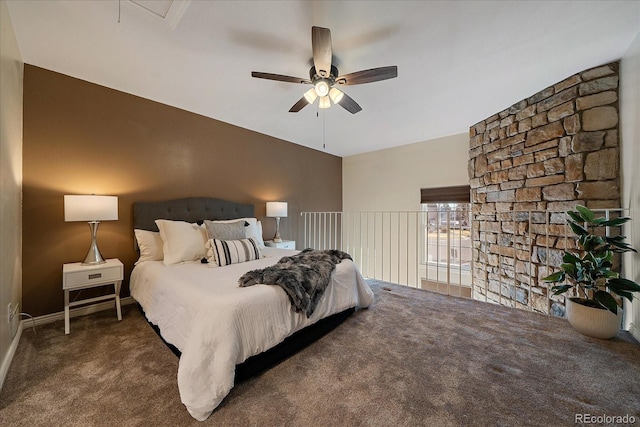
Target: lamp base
{"x":85,"y":262}
{"x":93,"y":256}
{"x":276,"y":238}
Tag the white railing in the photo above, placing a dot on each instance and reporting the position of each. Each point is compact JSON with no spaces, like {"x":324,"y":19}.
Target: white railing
{"x":428,"y":249}
{"x":493,"y":256}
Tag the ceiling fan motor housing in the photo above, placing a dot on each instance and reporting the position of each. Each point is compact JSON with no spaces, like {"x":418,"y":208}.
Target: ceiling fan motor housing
{"x":313,"y":75}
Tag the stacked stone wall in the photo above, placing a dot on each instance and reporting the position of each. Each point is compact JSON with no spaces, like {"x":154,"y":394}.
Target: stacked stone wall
{"x":548,"y":152}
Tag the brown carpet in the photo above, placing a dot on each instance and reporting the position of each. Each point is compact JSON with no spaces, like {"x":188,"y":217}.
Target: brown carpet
{"x":414,"y":358}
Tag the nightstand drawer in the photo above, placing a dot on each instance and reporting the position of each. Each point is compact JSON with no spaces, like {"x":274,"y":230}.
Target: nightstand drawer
{"x":88,"y":277}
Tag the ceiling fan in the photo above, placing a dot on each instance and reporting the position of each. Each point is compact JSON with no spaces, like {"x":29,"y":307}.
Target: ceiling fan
{"x":324,"y":77}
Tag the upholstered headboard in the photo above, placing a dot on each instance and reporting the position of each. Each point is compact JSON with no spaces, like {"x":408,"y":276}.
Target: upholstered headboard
{"x":191,"y":209}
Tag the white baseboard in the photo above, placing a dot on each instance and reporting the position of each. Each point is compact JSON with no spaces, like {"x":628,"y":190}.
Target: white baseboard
{"x":634,"y":329}
{"x":4,"y":368}
{"x":50,"y":318}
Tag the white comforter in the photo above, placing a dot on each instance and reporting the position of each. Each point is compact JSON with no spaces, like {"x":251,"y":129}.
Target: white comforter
{"x":216,"y":324}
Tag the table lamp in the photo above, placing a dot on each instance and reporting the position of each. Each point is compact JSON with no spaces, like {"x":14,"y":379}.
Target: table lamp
{"x":277,"y":210}
{"x":93,"y":209}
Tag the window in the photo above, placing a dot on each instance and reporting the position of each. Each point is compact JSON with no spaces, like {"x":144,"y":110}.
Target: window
{"x":446,"y":247}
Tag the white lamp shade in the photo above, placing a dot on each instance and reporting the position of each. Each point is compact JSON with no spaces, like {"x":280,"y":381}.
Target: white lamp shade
{"x":310,"y":95}
{"x":324,"y":102}
{"x":336,"y":95}
{"x":277,"y":209}
{"x":322,"y":88}
{"x":90,"y":208}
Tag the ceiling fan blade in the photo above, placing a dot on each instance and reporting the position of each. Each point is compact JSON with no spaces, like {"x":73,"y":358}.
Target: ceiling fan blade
{"x":368,"y":76}
{"x":321,"y":44}
{"x":349,"y":104}
{"x":299,"y":105}
{"x":279,"y":77}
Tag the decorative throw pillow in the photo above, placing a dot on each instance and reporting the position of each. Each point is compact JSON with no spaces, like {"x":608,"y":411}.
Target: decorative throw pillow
{"x":182,"y":241}
{"x":225,"y":252}
{"x":150,"y":245}
{"x":225,"y":230}
{"x":253,"y":230}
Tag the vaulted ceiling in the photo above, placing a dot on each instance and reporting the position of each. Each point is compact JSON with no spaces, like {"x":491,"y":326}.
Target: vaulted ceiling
{"x":458,"y":61}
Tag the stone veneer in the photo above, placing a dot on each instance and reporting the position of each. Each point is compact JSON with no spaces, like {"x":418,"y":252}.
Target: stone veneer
{"x":549,"y":152}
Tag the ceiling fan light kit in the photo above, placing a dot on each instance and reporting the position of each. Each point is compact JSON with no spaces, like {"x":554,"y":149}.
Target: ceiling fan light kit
{"x":323,"y":76}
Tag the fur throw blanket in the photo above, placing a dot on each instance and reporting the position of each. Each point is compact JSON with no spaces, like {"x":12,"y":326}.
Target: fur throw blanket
{"x":303,"y":276}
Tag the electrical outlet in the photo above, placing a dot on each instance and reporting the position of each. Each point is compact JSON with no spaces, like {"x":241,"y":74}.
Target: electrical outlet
{"x":12,"y":311}
{"x":13,"y":318}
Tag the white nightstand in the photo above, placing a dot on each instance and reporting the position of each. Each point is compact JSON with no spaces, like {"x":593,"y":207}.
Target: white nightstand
{"x":76,"y":276}
{"x":285,"y":244}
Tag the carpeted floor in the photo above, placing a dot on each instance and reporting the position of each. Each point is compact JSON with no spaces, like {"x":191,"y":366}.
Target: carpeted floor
{"x":414,"y":358}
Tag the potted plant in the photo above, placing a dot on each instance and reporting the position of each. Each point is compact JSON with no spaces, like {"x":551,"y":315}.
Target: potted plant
{"x":592,"y":310}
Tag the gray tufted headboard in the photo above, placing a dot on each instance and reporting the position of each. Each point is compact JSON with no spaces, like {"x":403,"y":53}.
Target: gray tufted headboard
{"x":191,"y":209}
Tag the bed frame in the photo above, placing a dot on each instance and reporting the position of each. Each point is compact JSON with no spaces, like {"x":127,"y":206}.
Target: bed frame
{"x":191,"y":209}
{"x":195,"y":209}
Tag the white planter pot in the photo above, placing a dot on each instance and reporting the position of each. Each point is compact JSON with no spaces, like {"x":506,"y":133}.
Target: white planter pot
{"x":593,"y":322}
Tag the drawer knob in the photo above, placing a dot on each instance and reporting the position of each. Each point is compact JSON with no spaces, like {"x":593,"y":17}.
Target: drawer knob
{"x":95,"y":276}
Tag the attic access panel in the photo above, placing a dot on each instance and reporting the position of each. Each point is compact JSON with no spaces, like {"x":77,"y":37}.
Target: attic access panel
{"x":167,"y":12}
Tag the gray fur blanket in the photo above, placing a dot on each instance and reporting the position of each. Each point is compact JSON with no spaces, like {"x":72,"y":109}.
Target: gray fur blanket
{"x":303,"y":276}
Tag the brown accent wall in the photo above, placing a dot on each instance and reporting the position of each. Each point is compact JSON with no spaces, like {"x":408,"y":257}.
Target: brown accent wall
{"x":82,"y":138}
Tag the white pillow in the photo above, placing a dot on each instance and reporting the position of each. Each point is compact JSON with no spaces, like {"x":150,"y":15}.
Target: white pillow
{"x":253,"y":230}
{"x":150,"y":245}
{"x":182,"y":241}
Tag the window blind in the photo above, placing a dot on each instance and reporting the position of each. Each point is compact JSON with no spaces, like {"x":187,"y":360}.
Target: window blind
{"x":454,"y":194}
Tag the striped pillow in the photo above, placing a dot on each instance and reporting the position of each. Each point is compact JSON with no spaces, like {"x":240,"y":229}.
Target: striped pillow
{"x":225,"y":252}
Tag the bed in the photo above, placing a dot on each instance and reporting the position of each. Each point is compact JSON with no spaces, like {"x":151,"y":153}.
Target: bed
{"x":222,"y":330}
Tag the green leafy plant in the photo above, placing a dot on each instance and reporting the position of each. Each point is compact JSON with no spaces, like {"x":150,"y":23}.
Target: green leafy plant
{"x":589,"y":271}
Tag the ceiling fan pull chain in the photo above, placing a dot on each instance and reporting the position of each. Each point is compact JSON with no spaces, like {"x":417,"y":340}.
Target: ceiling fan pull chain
{"x":324,"y":131}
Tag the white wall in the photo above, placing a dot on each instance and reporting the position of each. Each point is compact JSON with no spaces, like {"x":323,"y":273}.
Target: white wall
{"x":391,"y":179}
{"x":630,"y":159}
{"x":11,"y":68}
